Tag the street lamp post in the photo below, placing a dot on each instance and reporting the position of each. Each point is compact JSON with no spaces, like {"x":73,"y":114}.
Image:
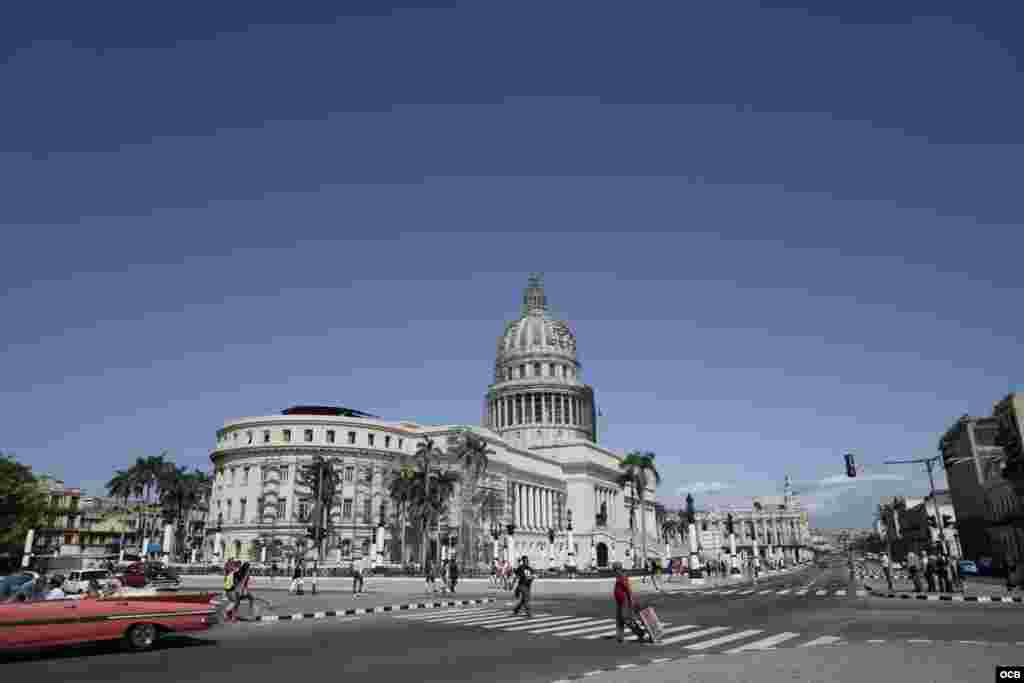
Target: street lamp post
{"x":571,"y":550}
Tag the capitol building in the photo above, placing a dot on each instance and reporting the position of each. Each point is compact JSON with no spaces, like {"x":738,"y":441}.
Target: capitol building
{"x":548,"y":474}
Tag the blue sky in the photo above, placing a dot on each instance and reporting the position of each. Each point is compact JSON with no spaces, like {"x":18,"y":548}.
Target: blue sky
{"x":779,"y":234}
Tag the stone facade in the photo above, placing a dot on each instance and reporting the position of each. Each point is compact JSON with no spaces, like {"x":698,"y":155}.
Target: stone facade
{"x":547,"y":467}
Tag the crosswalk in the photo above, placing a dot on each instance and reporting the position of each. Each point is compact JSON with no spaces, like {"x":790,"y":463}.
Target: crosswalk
{"x":695,"y":638}
{"x":742,"y":593}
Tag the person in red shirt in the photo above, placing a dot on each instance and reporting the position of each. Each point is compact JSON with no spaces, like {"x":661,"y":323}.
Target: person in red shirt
{"x":623,"y":601}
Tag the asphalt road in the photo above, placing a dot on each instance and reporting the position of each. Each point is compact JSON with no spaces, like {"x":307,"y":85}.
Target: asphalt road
{"x":479,"y":643}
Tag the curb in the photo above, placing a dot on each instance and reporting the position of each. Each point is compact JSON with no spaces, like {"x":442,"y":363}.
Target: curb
{"x":355,"y":611}
{"x":935,"y":597}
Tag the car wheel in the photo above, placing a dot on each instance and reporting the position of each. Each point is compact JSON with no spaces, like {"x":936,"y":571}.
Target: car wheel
{"x":141,"y":637}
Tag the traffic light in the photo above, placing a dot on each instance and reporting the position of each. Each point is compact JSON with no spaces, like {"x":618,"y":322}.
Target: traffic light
{"x":931,"y":521}
{"x":851,"y":467}
{"x":947,"y":521}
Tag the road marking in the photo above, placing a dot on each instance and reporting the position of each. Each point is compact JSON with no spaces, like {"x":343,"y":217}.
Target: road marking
{"x":427,"y":616}
{"x":594,"y":673}
{"x":824,"y":640}
{"x":598,"y":625}
{"x":677,"y":629}
{"x":695,"y":634}
{"x":821,"y":592}
{"x":730,"y":592}
{"x":746,"y":592}
{"x":488,"y":621}
{"x":785,"y":592}
{"x":975,"y":642}
{"x":661,"y":660}
{"x":933,"y":598}
{"x":765,"y":643}
{"x":958,"y":598}
{"x":801,"y":592}
{"x":724,"y":639}
{"x":466,"y":618}
{"x":539,"y":621}
{"x":625,"y":666}
{"x":984,"y":598}
{"x":560,"y":622}
{"x":841,"y":593}
{"x":920,"y":640}
{"x":765,"y":592}
{"x":579,"y":622}
{"x":876,"y":640}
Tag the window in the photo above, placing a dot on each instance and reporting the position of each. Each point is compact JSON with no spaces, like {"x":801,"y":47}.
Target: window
{"x":249,"y":435}
{"x":263,"y":474}
{"x":508,"y":373}
{"x":233,"y":469}
{"x":350,"y":473}
{"x":366,"y":547}
{"x":351,"y":437}
{"x":284,"y":473}
{"x":309,"y":435}
{"x":346,"y":508}
{"x":399,"y":444}
{"x":229,"y":510}
{"x":522,"y":371}
{"x":245,"y":476}
{"x":346,"y":548}
{"x":387,"y":442}
{"x":287,"y":434}
{"x":551,"y":370}
{"x":282,"y":509}
{"x":370,"y":438}
{"x":235,"y":436}
{"x":330,"y":436}
{"x":303,"y":511}
{"x":366,"y":510}
{"x":241,"y":510}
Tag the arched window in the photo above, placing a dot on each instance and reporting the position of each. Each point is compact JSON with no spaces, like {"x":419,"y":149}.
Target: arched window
{"x":536,"y":369}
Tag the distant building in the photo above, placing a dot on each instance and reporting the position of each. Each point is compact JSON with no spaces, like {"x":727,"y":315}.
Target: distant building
{"x":988,"y":510}
{"x":911,"y":525}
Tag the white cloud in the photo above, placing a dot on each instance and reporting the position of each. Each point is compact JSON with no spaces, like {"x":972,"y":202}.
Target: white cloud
{"x":704,"y":487}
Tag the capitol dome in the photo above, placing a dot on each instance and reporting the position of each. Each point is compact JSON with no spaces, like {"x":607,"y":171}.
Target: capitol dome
{"x":537,"y":396}
{"x":536,"y":331}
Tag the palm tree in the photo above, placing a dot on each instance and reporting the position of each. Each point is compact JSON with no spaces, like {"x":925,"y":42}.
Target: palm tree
{"x":400,"y":491}
{"x":181,"y":492}
{"x":426,"y":460}
{"x":473,"y":452}
{"x":638,"y":470}
{"x":430,"y":499}
{"x":122,"y":487}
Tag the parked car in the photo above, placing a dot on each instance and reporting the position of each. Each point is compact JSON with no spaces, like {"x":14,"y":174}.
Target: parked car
{"x":78,"y":580}
{"x":967,"y":568}
{"x":17,"y":586}
{"x":142,"y":574}
{"x":47,"y":623}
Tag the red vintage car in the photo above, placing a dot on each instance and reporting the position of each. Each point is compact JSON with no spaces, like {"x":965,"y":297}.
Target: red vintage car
{"x":64,"y":622}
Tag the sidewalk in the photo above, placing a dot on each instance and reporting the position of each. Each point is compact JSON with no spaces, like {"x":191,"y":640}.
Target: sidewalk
{"x":974,"y":586}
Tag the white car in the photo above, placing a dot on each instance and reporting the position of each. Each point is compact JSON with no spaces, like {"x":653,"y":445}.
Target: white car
{"x":78,"y":580}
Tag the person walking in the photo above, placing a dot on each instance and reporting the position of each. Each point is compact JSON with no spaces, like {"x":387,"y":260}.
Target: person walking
{"x":942,"y":573}
{"x":623,"y":595}
{"x":430,"y":576}
{"x":453,"y":574}
{"x":929,"y":572}
{"x":296,"y":586}
{"x":242,"y":577}
{"x":914,"y":569}
{"x":1011,"y":572}
{"x":524,"y":585}
{"x":357,"y":577}
{"x":887,"y":569}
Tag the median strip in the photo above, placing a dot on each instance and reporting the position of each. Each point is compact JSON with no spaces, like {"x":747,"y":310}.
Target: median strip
{"x":380,"y":609}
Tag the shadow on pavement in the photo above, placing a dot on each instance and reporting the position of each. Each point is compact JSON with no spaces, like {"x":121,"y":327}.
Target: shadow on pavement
{"x":107,"y":647}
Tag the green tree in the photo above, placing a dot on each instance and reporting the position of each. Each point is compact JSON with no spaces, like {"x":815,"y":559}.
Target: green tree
{"x":473,"y":454}
{"x":400,"y":491}
{"x":23,"y":504}
{"x":638,"y":471}
{"x":181,"y":493}
{"x":426,"y":461}
{"x":431,"y":495}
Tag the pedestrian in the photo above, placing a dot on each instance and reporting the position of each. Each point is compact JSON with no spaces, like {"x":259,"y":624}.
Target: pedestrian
{"x":357,"y":577}
{"x":241,"y":591}
{"x":942,"y":573}
{"x":914,"y":570}
{"x":929,"y":572}
{"x":887,"y":568}
{"x":454,"y":574}
{"x":430,"y":576}
{"x":296,"y":585}
{"x":524,"y":585}
{"x":623,"y":595}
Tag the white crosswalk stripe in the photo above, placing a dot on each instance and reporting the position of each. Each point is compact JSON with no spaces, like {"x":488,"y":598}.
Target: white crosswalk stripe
{"x":820,"y":592}
{"x":694,"y":634}
{"x":562,"y":621}
{"x":584,"y":623}
{"x":599,"y":625}
{"x":765,"y":643}
{"x":490,"y":614}
{"x":538,"y":620}
{"x":444,"y":615}
{"x":824,"y":640}
{"x":840,"y":593}
{"x":504,"y":616}
{"x":801,"y":592}
{"x":784,"y":592}
{"x":724,"y":639}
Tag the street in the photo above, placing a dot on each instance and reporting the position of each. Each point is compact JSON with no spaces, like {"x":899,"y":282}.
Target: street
{"x":569,"y":635}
